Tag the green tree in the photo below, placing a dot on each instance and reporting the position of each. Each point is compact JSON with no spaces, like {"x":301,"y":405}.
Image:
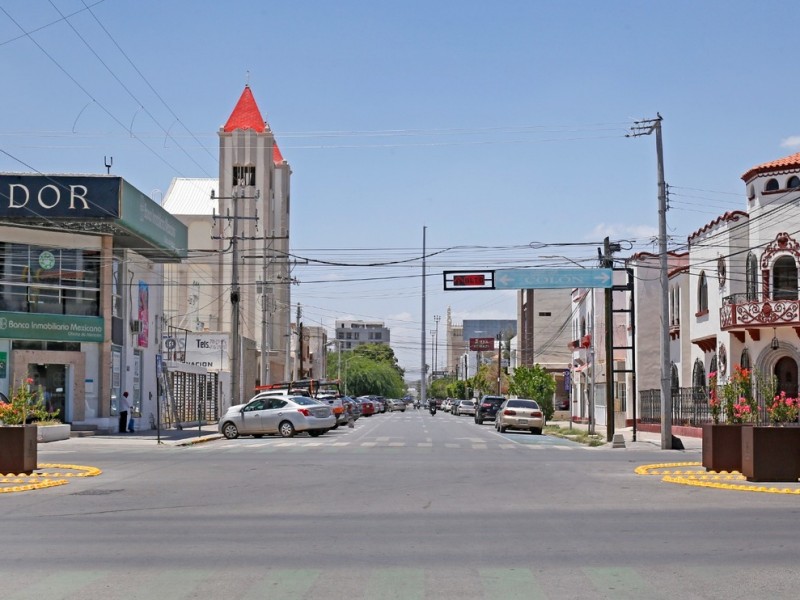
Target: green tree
{"x":456,"y":389}
{"x":382,"y":353}
{"x":537,"y":384}
{"x":439,"y":388}
{"x":485,"y":380}
{"x":362,"y":375}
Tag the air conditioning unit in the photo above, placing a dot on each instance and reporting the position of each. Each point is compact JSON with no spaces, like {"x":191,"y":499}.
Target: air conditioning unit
{"x":136,"y":327}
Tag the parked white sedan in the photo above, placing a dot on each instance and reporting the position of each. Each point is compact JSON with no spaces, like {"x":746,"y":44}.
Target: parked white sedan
{"x":285,"y":415}
{"x":520,"y":413}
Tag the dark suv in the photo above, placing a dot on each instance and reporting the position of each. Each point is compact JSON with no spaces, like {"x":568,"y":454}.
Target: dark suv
{"x":486,"y":410}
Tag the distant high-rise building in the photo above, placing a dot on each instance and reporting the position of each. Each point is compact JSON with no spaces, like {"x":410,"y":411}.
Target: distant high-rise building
{"x":351,"y":334}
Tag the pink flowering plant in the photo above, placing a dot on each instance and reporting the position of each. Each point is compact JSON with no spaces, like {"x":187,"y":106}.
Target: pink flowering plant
{"x":714,"y":403}
{"x":739,"y":402}
{"x":27,"y":402}
{"x":783,"y":409}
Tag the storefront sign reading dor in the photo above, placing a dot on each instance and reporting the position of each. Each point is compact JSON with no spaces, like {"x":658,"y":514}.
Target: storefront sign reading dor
{"x":28,"y":196}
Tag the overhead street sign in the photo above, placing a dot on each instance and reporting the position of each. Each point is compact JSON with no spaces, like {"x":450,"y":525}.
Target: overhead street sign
{"x":469,"y":280}
{"x":481,"y":344}
{"x":524,"y":279}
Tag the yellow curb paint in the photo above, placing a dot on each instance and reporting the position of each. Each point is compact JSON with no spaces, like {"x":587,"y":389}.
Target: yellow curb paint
{"x":40,"y":480}
{"x":702,"y":478}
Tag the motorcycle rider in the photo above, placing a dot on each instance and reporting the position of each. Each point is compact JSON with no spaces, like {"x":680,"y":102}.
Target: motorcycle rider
{"x":432,"y":406}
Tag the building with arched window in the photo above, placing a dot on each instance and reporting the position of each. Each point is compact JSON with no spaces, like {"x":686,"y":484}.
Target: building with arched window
{"x":740,"y":286}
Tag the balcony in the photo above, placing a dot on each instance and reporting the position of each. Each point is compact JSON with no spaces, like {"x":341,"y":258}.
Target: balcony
{"x":748,"y":312}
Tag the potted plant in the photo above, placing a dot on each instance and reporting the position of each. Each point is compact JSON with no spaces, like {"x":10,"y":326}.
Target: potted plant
{"x":773,"y":453}
{"x":722,"y":442}
{"x":18,"y":433}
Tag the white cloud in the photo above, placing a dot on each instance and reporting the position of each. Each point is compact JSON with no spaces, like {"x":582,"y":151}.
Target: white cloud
{"x":793,"y":141}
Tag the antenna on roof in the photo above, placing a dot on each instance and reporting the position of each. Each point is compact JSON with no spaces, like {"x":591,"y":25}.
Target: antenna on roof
{"x":247,"y":79}
{"x":108,"y":161}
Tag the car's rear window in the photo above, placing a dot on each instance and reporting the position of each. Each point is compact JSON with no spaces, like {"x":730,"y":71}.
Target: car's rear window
{"x":303,"y":401}
{"x":522,"y":404}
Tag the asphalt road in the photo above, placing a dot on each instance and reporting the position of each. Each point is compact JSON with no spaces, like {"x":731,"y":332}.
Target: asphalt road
{"x":404,"y":506}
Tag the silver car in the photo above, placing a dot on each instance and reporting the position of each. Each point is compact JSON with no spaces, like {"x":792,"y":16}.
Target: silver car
{"x":285,"y":415}
{"x":466,"y":407}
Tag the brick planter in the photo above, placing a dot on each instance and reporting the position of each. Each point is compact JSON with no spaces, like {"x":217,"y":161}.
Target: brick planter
{"x":18,"y":449}
{"x":771,"y":453}
{"x":722,"y":447}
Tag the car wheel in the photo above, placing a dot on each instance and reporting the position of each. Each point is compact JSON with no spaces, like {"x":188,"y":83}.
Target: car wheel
{"x":501,"y":428}
{"x":536,"y":431}
{"x":336,"y":426}
{"x":479,"y":421}
{"x":230,"y":431}
{"x":286,"y":429}
{"x":315,"y":432}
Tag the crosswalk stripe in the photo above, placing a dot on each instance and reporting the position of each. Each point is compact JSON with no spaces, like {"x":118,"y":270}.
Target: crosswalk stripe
{"x":286,"y":584}
{"x":399,"y":584}
{"x":65,"y":583}
{"x":510,"y":584}
{"x":623,"y":582}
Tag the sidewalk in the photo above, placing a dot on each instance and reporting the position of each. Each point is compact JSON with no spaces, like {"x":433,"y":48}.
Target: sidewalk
{"x":644,"y":439}
{"x":174,"y":437}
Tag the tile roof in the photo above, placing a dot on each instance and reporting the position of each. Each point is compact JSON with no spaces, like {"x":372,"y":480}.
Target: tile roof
{"x":245,"y":114}
{"x":787,"y":162}
{"x":277,"y":157}
{"x":730,"y":216}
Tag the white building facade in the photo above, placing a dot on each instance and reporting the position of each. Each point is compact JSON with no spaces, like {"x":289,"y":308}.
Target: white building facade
{"x":81,"y":266}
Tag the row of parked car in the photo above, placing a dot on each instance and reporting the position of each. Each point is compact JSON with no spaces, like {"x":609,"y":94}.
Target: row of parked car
{"x":286,"y":413}
{"x":506,"y":413}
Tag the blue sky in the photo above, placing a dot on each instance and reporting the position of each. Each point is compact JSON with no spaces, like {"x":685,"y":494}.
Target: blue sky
{"x":498,"y":126}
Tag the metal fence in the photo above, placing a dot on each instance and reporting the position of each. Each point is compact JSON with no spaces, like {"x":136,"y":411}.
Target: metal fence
{"x":689,"y":406}
{"x":193,"y":397}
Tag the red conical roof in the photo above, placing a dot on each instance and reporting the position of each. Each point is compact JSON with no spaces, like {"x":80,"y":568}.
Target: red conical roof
{"x":788,"y":162}
{"x":277,"y":157}
{"x":246,"y":114}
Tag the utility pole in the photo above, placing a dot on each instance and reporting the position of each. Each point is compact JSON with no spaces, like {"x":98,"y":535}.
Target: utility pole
{"x":608,"y":263}
{"x":436,"y":319}
{"x":499,"y":359}
{"x":299,"y":342}
{"x":423,"y":368}
{"x":640,"y":128}
{"x":466,"y":376}
{"x":236,"y":342}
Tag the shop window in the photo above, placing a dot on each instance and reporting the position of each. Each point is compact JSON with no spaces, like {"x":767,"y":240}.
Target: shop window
{"x":46,"y":280}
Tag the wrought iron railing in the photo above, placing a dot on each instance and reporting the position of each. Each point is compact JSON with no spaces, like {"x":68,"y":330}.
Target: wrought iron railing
{"x":689,"y":407}
{"x":757,"y":309}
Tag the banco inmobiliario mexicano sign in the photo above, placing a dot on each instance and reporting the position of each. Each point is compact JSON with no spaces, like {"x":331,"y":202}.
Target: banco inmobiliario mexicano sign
{"x":54,"y":328}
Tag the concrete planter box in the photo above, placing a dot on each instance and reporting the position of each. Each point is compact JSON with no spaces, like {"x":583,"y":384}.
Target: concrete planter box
{"x":52,"y":433}
{"x":18,"y":450}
